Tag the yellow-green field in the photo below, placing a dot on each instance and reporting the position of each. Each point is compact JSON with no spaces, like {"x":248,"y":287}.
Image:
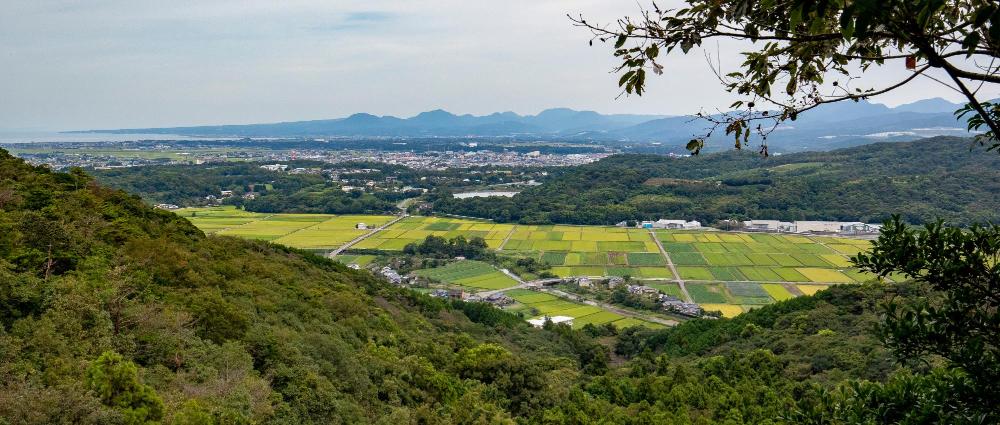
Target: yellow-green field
{"x":415,"y":229}
{"x":307,"y":231}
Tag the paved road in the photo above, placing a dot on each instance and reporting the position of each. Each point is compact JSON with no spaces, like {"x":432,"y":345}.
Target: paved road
{"x":337,"y":251}
{"x":670,"y":264}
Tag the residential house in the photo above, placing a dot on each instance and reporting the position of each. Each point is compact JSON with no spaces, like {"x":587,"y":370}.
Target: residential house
{"x":615,"y":281}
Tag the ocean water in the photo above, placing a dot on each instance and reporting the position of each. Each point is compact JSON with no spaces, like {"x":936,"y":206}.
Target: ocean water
{"x":56,"y":137}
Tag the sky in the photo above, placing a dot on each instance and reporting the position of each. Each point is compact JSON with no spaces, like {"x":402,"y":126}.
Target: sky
{"x":142,"y":63}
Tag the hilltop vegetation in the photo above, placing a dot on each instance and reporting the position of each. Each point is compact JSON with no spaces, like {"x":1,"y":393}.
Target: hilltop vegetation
{"x":922,"y":181}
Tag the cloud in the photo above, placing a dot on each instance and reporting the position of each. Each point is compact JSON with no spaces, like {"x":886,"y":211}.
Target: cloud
{"x":354,"y":21}
{"x":122,"y":63}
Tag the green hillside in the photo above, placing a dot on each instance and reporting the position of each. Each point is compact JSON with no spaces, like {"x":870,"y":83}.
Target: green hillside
{"x":238,"y":331}
{"x":922,"y":181}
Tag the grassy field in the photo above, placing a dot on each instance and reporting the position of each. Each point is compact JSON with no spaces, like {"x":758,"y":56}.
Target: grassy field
{"x":468,"y":273}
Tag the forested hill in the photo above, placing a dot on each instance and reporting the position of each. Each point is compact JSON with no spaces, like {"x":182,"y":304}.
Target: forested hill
{"x":113,"y":312}
{"x":923,"y":180}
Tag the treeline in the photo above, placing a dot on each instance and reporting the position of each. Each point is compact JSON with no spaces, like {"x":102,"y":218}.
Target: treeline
{"x":432,"y":246}
{"x":922,"y":181}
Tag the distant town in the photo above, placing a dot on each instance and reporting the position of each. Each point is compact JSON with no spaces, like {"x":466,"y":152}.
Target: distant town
{"x":107,"y":155}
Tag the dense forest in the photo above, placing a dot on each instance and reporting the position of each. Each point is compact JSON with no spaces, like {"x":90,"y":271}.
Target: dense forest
{"x":275,"y":191}
{"x":113,"y":312}
{"x":922,"y":181}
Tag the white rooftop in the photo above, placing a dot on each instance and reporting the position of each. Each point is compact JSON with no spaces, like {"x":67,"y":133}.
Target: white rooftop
{"x":539,"y":322}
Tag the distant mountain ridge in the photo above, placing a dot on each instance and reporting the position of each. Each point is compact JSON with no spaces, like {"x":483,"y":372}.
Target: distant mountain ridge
{"x":430,"y":123}
{"x":826,"y":127}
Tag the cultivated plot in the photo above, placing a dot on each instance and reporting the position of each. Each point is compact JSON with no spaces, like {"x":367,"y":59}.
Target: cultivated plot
{"x":307,"y":231}
{"x":416,"y":229}
{"x":538,"y":304}
{"x":471,"y":274}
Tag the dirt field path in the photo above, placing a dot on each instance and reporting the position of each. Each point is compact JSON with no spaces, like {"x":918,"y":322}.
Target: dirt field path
{"x":670,"y":265}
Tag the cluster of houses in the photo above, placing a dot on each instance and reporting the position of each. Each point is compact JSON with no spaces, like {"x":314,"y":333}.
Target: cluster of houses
{"x":391,"y":275}
{"x":670,"y":303}
{"x":454,"y":294}
{"x":847,"y":228}
{"x":820,"y":227}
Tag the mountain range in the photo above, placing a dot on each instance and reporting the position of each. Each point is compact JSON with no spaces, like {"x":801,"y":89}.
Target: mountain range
{"x":826,"y":127}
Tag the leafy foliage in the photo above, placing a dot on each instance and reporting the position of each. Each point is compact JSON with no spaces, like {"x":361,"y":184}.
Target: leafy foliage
{"x":439,"y":247}
{"x":805,"y":53}
{"x":116,"y":382}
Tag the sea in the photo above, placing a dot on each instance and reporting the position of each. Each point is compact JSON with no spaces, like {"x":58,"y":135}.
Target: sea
{"x":57,"y":137}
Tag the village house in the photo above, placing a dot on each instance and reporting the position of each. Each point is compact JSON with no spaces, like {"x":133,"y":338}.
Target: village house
{"x":615,"y":281}
{"x":642,"y":290}
{"x":391,"y":275}
{"x":499,"y":299}
{"x":676,"y":305}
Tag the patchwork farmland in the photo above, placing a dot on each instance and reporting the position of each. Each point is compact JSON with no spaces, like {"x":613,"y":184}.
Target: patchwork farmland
{"x":538,"y":304}
{"x":470,"y":274}
{"x":738,"y":270}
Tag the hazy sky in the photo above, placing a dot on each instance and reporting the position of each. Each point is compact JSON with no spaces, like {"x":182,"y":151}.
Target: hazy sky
{"x":139,"y":63}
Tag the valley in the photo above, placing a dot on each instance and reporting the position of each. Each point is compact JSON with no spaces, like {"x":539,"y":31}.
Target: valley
{"x":454,"y":213}
{"x":727,"y":272}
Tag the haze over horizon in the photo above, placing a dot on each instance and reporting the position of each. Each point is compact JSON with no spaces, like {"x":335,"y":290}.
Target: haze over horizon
{"x":124,"y":65}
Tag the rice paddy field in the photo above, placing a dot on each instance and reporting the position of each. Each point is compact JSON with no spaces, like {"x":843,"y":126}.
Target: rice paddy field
{"x":415,"y":229}
{"x":591,"y":250}
{"x":306,"y":231}
{"x":738,"y":270}
{"x":536,"y":304}
{"x":470,"y":274}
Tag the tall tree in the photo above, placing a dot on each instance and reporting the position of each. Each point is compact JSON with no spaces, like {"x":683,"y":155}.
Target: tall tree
{"x":806,"y":53}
